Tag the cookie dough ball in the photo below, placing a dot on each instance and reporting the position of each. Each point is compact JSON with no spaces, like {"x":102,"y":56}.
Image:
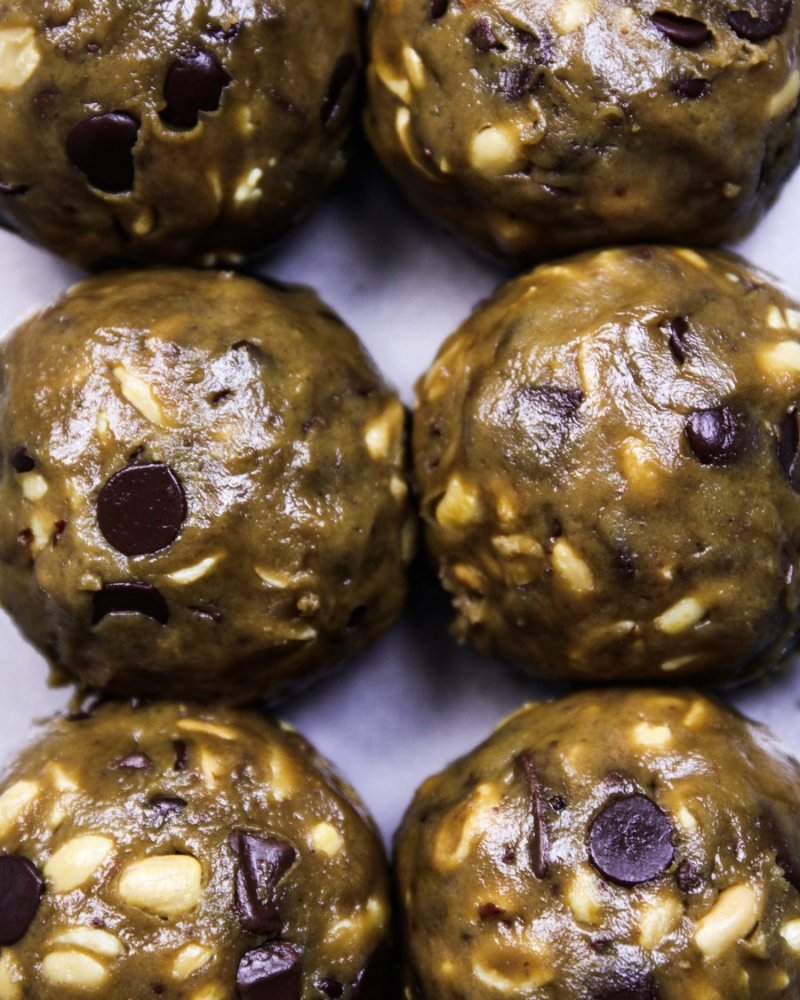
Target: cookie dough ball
{"x":544,"y":126}
{"x":186,"y":853}
{"x":618,"y":845}
{"x":608,"y":458}
{"x":202,"y":490}
{"x":167,"y":131}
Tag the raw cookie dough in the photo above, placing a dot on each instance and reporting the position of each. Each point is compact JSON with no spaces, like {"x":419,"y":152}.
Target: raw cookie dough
{"x":608,"y":457}
{"x":189,"y":854}
{"x":202,"y":487}
{"x":539,"y":127}
{"x":165,"y":131}
{"x":617,"y":845}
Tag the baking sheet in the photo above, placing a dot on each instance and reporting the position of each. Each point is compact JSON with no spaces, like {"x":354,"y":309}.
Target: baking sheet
{"x":415,"y":700}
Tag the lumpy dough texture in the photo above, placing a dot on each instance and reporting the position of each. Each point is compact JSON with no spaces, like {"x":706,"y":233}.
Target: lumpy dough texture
{"x":167,"y":131}
{"x":607,"y":455}
{"x":189,"y":854}
{"x":202,"y":486}
{"x":622,"y":845}
{"x":544,"y":126}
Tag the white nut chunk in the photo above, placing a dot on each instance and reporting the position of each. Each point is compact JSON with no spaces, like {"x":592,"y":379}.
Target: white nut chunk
{"x":90,"y":939}
{"x":166,"y":885}
{"x":14,"y":801}
{"x":731,"y":918}
{"x":190,"y":959}
{"x":460,"y":505}
{"x":681,"y":616}
{"x":74,"y":969}
{"x":19,"y":56}
{"x":140,"y":395}
{"x":76,"y":861}
{"x":571,"y":569}
{"x":496,"y":149}
{"x":326,"y":839}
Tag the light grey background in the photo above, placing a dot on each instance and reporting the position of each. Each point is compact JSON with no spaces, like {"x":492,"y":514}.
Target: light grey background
{"x":415,"y":700}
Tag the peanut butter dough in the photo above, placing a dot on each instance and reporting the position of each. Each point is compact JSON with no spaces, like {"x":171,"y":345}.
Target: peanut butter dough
{"x":607,"y":454}
{"x":165,"y":131}
{"x":617,"y":845}
{"x":539,"y":127}
{"x":202,"y":489}
{"x":189,"y":854}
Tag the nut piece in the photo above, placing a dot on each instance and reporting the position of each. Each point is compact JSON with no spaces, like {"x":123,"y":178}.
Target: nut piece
{"x":465,"y":825}
{"x":190,"y":959}
{"x":731,"y":918}
{"x":14,"y":801}
{"x":640,"y":466}
{"x":75,"y":969}
{"x":790,"y":932}
{"x":139,"y":395}
{"x":782,"y":358}
{"x":195,"y":572}
{"x":652,"y":737}
{"x":90,"y":939}
{"x":209,"y":728}
{"x":382,"y":435}
{"x":19,"y":56}
{"x":10,"y":978}
{"x":34,"y":486}
{"x":584,"y":897}
{"x":786,"y":97}
{"x":326,"y":839}
{"x":572,"y":570}
{"x":74,"y":862}
{"x":657,"y":920}
{"x":681,"y":616}
{"x":496,"y":149}
{"x":167,"y":885}
{"x":460,"y":504}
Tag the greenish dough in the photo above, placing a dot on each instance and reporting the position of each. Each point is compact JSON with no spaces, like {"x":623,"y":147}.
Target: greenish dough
{"x":190,"y":854}
{"x":540,"y":127}
{"x":202,"y":489}
{"x":611,"y":845}
{"x":200,"y":130}
{"x":607,"y":459}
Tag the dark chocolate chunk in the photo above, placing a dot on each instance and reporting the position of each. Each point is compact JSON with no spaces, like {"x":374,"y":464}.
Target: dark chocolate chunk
{"x":539,"y":844}
{"x":13,"y":190}
{"x":628,"y":984}
{"x":343,"y":72}
{"x":517,"y":82}
{"x":21,"y":888}
{"x":181,"y":755}
{"x":331,"y":988}
{"x":223,"y":34}
{"x":689,"y":877}
{"x":677,"y":330}
{"x":488,"y":911}
{"x":166,"y":805}
{"x":129,"y":598}
{"x":271,"y":972}
{"x":194,"y":83}
{"x":58,"y":530}
{"x":134,"y":762}
{"x":21,"y":461}
{"x":263,"y":862}
{"x":372,"y":982}
{"x":482,"y":36}
{"x":691,"y":88}
{"x":141,"y":509}
{"x":561,"y":404}
{"x":716,"y":436}
{"x":759,"y":29}
{"x":685,"y":31}
{"x":439,"y":8}
{"x":789,"y":446}
{"x":630,"y":840}
{"x":102,"y":148}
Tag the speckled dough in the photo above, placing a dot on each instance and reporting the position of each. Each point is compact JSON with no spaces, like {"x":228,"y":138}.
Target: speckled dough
{"x":188,"y":854}
{"x":539,"y":127}
{"x":621,"y":845}
{"x":202,"y":487}
{"x":166,"y":131}
{"x":607,"y":457}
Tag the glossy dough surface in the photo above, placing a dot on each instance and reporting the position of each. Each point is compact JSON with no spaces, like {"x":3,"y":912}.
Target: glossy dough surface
{"x":607,"y":456}
{"x":202,"y":489}
{"x":188,"y":853}
{"x":539,"y":127}
{"x":165,"y":131}
{"x":618,"y":845}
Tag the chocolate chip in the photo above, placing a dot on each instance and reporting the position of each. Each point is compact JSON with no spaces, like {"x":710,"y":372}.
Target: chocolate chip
{"x":562,"y":404}
{"x":194,"y":83}
{"x":482,"y":36}
{"x":677,"y":330}
{"x":488,"y":911}
{"x":222,"y":33}
{"x":21,"y":461}
{"x":439,"y":9}
{"x":141,"y":509}
{"x":789,"y":446}
{"x":181,"y":755}
{"x":263,"y":862}
{"x":102,"y":148}
{"x":716,"y":436}
{"x":689,"y":877}
{"x":166,"y":805}
{"x":134,"y":762}
{"x":691,"y":88}
{"x":13,"y":190}
{"x":539,"y":844}
{"x":685,"y":31}
{"x":372,"y":982}
{"x":343,"y":72}
{"x":21,"y":888}
{"x":129,"y":598}
{"x":516,"y":83}
{"x":628,"y":984}
{"x":271,"y":972}
{"x":630,"y":840}
{"x":759,"y":29}
{"x":331,"y":988}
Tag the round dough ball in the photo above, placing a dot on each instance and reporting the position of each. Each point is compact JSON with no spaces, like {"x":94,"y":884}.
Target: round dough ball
{"x":202,"y":490}
{"x":167,"y":131}
{"x":608,"y":458}
{"x":617,"y":845}
{"x":540,"y":127}
{"x":186,"y":853}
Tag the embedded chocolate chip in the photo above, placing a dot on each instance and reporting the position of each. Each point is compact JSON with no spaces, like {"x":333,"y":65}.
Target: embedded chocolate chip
{"x":263,"y":862}
{"x":343,"y":72}
{"x":102,"y":148}
{"x":372,"y":981}
{"x":630,"y":840}
{"x":167,"y":805}
{"x":787,"y":857}
{"x":789,"y":446}
{"x":488,"y":911}
{"x":689,"y":877}
{"x":21,"y":461}
{"x":482,"y":36}
{"x":141,"y":509}
{"x":194,"y":83}
{"x":21,"y":888}
{"x":539,"y":844}
{"x":331,"y":988}
{"x":134,"y":762}
{"x":716,"y":436}
{"x":685,"y":31}
{"x":692,"y":88}
{"x":222,"y":33}
{"x":181,"y":755}
{"x":271,"y":972}
{"x":759,"y":29}
{"x":13,"y":190}
{"x":628,"y":984}
{"x":129,"y":598}
{"x":517,"y":82}
{"x":677,"y":330}
{"x":439,"y":8}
